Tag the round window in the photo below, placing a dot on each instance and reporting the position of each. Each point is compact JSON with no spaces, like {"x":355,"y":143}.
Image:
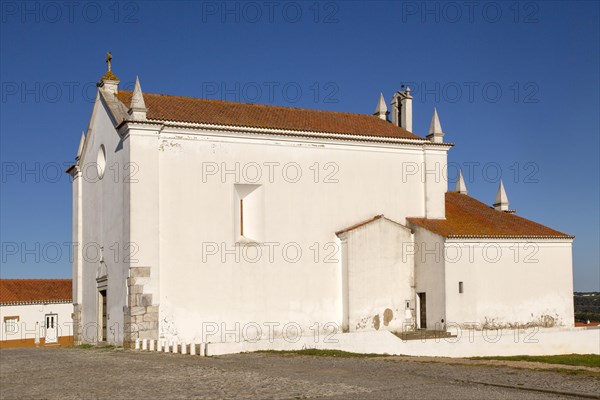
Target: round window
{"x":101,"y":161}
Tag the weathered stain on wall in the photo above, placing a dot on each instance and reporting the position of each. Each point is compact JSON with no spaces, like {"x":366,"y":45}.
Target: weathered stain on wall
{"x":542,"y":321}
{"x":376,"y":322}
{"x":169,"y":145}
{"x":388,"y":315}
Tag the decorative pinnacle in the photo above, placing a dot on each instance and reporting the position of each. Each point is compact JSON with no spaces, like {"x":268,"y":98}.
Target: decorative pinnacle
{"x":501,"y":203}
{"x":138,"y":109}
{"x":137,"y":99}
{"x":461,"y":187}
{"x":381,"y":110}
{"x":435,"y":127}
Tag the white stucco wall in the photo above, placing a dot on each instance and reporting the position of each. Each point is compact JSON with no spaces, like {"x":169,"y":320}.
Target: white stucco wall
{"x":144,"y":196}
{"x":104,"y":225}
{"x":77,"y":237}
{"x":378,"y":278}
{"x":435,"y":178}
{"x":430,"y":275}
{"x":354,"y":182}
{"x":32,"y":320}
{"x":509,"y":282}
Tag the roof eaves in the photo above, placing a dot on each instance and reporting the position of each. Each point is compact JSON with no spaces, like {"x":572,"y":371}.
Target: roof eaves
{"x":33,"y":302}
{"x":356,"y":226}
{"x":293,"y":133}
{"x":509,"y":236}
{"x":367,"y":222}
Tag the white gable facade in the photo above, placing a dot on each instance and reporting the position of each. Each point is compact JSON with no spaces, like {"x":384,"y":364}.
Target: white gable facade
{"x":192,"y":229}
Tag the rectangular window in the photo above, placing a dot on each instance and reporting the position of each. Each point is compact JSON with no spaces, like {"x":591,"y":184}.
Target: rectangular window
{"x":10,"y":325}
{"x":460,"y":287}
{"x":249,"y":213}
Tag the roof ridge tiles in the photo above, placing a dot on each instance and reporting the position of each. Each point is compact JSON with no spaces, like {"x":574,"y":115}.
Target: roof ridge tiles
{"x":252,"y":104}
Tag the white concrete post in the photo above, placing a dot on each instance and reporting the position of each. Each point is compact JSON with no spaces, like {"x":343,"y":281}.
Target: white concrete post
{"x":144,"y":344}
{"x":203,"y":348}
{"x":175,"y":346}
{"x":151,"y":347}
{"x":37,"y":333}
{"x":165,"y":345}
{"x":183,"y":348}
{"x":193,"y":348}
{"x":137,"y":344}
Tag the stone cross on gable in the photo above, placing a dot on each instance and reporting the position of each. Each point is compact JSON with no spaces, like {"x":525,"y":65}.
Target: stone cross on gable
{"x":108,"y":58}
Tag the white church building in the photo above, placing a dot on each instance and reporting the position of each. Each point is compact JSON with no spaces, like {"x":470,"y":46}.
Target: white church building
{"x":196,"y":216}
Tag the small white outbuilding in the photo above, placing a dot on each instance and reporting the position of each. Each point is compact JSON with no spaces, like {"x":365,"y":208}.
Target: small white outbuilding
{"x":36,"y":312}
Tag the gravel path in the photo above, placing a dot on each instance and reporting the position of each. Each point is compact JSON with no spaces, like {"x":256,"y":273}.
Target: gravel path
{"x":70,"y":373}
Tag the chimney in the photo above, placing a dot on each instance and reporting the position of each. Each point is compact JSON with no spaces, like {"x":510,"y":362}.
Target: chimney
{"x":381,"y":110}
{"x":402,"y":109}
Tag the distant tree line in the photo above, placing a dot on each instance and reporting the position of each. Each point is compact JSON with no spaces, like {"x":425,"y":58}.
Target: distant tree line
{"x":587,"y":306}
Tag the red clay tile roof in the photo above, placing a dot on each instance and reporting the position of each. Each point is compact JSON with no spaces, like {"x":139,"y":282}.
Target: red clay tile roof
{"x":467,"y":217}
{"x":32,"y":291}
{"x":188,"y":109}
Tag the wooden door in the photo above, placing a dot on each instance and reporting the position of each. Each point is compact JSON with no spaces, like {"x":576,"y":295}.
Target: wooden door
{"x":423,"y":310}
{"x":103,"y":313}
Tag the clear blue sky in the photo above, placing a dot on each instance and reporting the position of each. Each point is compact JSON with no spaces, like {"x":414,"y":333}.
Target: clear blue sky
{"x":516,"y":86}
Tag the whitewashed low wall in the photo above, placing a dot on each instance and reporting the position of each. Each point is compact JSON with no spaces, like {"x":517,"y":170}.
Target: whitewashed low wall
{"x":468,"y":344}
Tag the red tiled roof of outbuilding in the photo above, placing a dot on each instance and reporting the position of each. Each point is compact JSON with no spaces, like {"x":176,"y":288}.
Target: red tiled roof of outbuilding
{"x":32,"y":291}
{"x":468,"y":217}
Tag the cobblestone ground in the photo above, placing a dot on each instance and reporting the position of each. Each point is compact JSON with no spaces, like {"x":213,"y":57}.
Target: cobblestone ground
{"x":71,"y":373}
